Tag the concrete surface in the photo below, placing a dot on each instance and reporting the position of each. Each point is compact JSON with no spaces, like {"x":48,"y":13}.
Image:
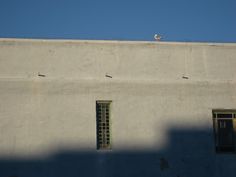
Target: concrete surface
{"x":162,"y":96}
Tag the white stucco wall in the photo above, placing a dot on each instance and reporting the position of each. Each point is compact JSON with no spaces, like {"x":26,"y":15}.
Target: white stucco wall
{"x":162,"y":96}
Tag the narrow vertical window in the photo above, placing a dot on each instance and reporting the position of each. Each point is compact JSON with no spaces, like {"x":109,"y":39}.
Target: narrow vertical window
{"x":224,"y":123}
{"x":103,"y":125}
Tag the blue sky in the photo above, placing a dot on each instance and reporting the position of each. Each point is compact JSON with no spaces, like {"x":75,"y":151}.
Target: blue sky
{"x":175,"y":20}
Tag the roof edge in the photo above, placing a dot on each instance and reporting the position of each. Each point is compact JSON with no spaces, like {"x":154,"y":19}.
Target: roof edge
{"x":113,"y":42}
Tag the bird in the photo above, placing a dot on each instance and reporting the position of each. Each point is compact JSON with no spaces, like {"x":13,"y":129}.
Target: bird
{"x":157,"y":37}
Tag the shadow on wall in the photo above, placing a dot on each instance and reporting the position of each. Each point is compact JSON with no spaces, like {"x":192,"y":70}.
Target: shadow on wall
{"x":189,"y":153}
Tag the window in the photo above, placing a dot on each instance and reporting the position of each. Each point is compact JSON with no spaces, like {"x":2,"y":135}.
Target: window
{"x":103,"y":125}
{"x":224,"y":122}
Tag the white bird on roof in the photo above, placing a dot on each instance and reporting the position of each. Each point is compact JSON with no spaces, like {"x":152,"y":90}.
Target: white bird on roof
{"x":157,"y":37}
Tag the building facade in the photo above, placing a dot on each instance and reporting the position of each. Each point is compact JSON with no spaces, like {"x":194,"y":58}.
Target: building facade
{"x":117,"y":108}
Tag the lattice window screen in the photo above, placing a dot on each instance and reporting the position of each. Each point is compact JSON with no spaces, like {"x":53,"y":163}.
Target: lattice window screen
{"x":103,"y":124}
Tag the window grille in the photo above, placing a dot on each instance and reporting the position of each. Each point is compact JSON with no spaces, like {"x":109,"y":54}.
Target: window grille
{"x":224,"y":122}
{"x":103,"y":125}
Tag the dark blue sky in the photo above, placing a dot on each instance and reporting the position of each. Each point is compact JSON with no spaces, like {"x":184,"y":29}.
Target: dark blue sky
{"x":176,"y":20}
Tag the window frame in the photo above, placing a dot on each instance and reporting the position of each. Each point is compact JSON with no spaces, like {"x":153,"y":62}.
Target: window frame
{"x":219,"y":115}
{"x":100,"y":129}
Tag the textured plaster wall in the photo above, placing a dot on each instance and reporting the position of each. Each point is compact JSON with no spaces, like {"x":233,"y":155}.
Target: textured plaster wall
{"x":122,"y":60}
{"x":162,"y":97}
